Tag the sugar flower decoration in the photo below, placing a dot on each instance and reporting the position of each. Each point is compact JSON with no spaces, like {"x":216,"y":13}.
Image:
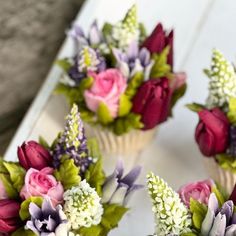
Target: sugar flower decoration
{"x":171,"y":215}
{"x":118,"y":189}
{"x":47,"y":220}
{"x":222,"y":83}
{"x":72,"y":142}
{"x":82,"y":206}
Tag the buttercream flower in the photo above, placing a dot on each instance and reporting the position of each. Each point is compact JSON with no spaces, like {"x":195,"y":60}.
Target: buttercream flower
{"x":199,"y":191}
{"x":212,"y":132}
{"x":107,"y":88}
{"x":82,"y":206}
{"x":42,"y":183}
{"x":47,"y":220}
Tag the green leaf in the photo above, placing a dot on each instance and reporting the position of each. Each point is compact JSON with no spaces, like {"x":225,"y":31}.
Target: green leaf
{"x":178,"y":93}
{"x":6,"y":180}
{"x":87,"y":115}
{"x":24,"y":207}
{"x":161,"y":68}
{"x":22,"y":231}
{"x":198,"y":211}
{"x":95,"y":176}
{"x":142,"y":32}
{"x":65,"y":64}
{"x":68,"y":173}
{"x":125,"y":124}
{"x":232,"y":110}
{"x":85,"y":83}
{"x":190,"y":234}
{"x":93,"y":148}
{"x":103,"y":114}
{"x":195,"y":107}
{"x":227,"y":162}
{"x":44,"y":143}
{"x":134,"y":84}
{"x":219,"y":195}
{"x":125,"y":105}
{"x":110,"y":219}
{"x":107,"y":29}
{"x":17,"y":174}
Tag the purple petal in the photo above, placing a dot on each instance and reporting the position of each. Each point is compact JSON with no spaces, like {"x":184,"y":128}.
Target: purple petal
{"x":76,"y":31}
{"x":109,"y":188}
{"x":47,"y":207}
{"x":231,"y":230}
{"x":119,"y":56}
{"x":94,"y":34}
{"x":233,"y":220}
{"x":35,"y":211}
{"x":131,"y":177}
{"x":119,"y":168}
{"x":227,"y":210}
{"x":132,"y":51}
{"x":61,"y":230}
{"x":38,"y":224}
{"x":131,"y":191}
{"x":213,"y":203}
{"x":30,"y":225}
{"x":219,"y":225}
{"x":50,"y":224}
{"x":119,"y":196}
{"x":144,"y":56}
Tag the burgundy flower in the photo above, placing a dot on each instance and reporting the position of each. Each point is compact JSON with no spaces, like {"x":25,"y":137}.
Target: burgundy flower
{"x":33,"y":155}
{"x":212,"y":132}
{"x":152,"y":102}
{"x":158,"y":40}
{"x":9,"y":216}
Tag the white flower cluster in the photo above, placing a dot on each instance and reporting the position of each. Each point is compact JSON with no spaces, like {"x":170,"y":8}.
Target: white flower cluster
{"x":171,"y":215}
{"x":88,"y":60}
{"x":222,"y":84}
{"x":126,"y":31}
{"x":82,"y":206}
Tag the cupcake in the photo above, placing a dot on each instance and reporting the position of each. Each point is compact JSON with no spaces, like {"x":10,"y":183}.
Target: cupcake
{"x":215,"y":133}
{"x":123,"y":82}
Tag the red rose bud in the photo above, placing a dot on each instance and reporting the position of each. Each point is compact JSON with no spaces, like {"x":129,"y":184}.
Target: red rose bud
{"x":212,"y":132}
{"x":33,"y":155}
{"x":9,"y":216}
{"x":152,"y":102}
{"x":158,"y":40}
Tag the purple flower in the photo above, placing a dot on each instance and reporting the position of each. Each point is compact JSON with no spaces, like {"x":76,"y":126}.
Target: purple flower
{"x":118,"y":189}
{"x":219,"y":221}
{"x":133,"y":60}
{"x":47,"y":220}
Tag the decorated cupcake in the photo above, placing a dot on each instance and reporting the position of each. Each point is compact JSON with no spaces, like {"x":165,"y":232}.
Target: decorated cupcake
{"x":123,"y":82}
{"x":215,"y":133}
{"x":197,"y":209}
{"x":61,"y":189}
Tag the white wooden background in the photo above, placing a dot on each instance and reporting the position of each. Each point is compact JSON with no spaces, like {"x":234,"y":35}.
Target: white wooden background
{"x":199,"y":26}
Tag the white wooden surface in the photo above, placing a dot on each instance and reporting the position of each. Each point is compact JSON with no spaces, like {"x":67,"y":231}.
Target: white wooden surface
{"x":199,"y":26}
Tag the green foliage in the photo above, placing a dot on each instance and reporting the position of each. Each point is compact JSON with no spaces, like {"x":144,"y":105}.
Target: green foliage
{"x":95,"y":176}
{"x":178,"y":93}
{"x":107,"y":29}
{"x":44,"y":143}
{"x":190,"y":234}
{"x":220,"y":197}
{"x":232,"y":110}
{"x":198,"y":211}
{"x":24,"y":207}
{"x":226,"y":162}
{"x":161,"y":68}
{"x":134,"y":84}
{"x":125,"y":105}
{"x":68,"y":173}
{"x":142,"y":32}
{"x":110,"y":219}
{"x":195,"y":107}
{"x":93,"y":148}
{"x":125,"y":124}
{"x":22,"y":231}
{"x":6,"y":180}
{"x":103,"y":114}
{"x":16,"y":173}
{"x":65,"y":64}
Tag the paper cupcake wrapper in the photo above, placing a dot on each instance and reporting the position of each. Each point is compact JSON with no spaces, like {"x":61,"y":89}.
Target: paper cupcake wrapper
{"x":225,"y":178}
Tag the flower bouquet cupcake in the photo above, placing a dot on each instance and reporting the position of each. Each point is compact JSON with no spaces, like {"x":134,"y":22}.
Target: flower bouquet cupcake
{"x":62,"y":190}
{"x":197,"y":209}
{"x":123,"y":82}
{"x":215,"y":133}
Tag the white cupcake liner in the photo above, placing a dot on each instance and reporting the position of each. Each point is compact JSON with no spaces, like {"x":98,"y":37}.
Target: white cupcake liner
{"x":127,"y":146}
{"x":225,"y":178}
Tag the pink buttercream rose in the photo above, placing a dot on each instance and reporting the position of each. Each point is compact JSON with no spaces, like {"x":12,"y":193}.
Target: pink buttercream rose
{"x":199,"y":191}
{"x":42,"y":183}
{"x":107,"y":87}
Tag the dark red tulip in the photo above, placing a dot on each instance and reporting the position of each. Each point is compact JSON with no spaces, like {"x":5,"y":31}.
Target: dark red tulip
{"x":152,"y":102}
{"x":33,"y":155}
{"x":158,"y":40}
{"x":9,"y":216}
{"x":212,"y":132}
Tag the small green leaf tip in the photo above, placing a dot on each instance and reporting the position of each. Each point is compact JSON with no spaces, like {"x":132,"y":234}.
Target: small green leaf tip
{"x":222,"y":83}
{"x":130,"y":22}
{"x":171,"y":215}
